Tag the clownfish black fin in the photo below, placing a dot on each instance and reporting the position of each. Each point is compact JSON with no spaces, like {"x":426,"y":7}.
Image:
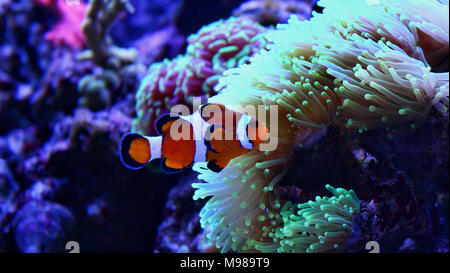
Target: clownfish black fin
{"x":162,"y":120}
{"x":169,"y":170}
{"x":134,"y":151}
{"x":212,"y":165}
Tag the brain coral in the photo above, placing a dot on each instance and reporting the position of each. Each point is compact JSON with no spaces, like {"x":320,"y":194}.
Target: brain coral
{"x":373,"y":68}
{"x":215,"y":48}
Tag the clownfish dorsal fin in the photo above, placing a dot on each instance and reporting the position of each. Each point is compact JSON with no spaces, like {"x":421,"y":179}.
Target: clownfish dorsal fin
{"x":163,"y":120}
{"x":135,"y":151}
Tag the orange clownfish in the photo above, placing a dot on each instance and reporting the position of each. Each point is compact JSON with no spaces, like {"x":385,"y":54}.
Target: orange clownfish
{"x":212,"y":134}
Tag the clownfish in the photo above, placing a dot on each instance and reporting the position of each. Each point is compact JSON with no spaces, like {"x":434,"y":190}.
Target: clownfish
{"x":212,"y":134}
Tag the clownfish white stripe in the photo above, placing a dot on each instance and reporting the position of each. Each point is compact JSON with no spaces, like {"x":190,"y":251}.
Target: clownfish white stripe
{"x":200,"y":151}
{"x":241,"y":132}
{"x":155,"y":147}
{"x":198,"y":124}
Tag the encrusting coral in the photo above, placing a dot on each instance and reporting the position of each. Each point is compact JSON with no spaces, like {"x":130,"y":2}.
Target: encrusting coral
{"x":212,"y":50}
{"x":374,"y":69}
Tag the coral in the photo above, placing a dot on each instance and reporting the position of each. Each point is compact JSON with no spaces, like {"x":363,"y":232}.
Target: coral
{"x":68,"y":30}
{"x":373,"y":67}
{"x":99,"y":17}
{"x":273,"y":12}
{"x":103,"y":87}
{"x":24,"y":50}
{"x":58,"y":90}
{"x":227,"y":43}
{"x":99,"y":89}
{"x":95,"y":89}
{"x":215,"y":48}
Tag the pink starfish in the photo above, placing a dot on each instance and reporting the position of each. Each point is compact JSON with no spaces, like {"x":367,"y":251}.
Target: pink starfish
{"x":68,"y":30}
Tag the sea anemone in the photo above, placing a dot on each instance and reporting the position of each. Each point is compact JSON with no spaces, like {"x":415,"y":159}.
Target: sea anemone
{"x":373,"y":68}
{"x":322,"y":225}
{"x":380,"y":59}
{"x":242,"y":203}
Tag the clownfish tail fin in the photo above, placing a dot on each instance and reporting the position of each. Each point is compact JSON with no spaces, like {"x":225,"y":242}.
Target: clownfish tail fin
{"x":136,"y":150}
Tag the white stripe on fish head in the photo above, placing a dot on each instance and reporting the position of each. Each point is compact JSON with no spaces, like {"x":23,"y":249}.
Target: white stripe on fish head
{"x":241,"y":131}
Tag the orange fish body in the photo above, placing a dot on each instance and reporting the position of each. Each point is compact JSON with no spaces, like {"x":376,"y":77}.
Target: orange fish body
{"x":213,"y":134}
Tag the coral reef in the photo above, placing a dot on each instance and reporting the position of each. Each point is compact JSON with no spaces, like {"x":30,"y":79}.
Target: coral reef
{"x":68,"y":94}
